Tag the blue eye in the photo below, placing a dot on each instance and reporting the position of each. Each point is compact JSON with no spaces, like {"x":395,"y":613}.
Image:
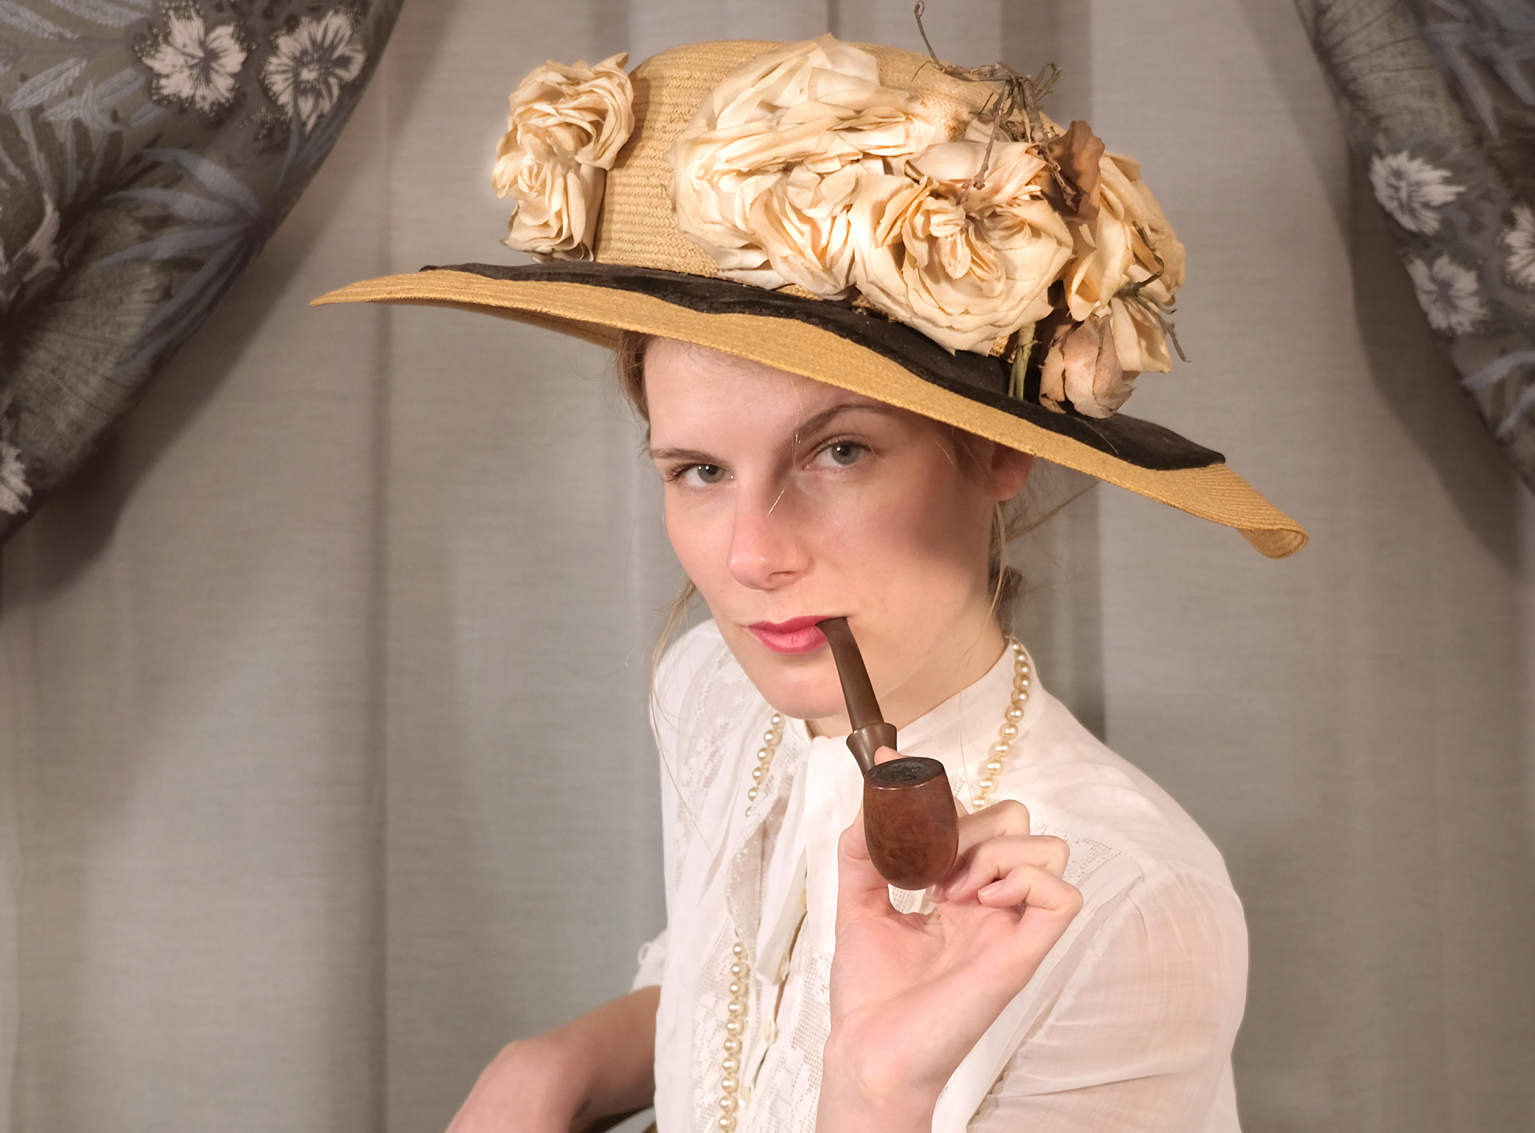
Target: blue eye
{"x":844,"y":452}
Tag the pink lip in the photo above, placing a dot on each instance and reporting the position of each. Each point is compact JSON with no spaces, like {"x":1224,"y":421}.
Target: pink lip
{"x":798,"y":635}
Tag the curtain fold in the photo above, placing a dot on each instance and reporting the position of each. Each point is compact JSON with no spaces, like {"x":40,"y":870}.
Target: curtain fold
{"x":1437,"y":100}
{"x":147,"y":153}
{"x":323,"y":743}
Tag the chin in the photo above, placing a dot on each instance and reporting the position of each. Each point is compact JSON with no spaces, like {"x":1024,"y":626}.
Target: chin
{"x":803,"y":686}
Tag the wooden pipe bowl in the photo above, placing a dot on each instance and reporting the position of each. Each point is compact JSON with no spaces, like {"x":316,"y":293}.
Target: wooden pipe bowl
{"x":909,"y":821}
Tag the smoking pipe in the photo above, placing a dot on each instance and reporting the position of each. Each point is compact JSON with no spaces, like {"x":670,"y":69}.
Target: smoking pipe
{"x":909,"y":819}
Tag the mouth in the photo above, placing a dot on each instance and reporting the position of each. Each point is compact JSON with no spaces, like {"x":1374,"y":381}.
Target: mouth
{"x":798,"y":635}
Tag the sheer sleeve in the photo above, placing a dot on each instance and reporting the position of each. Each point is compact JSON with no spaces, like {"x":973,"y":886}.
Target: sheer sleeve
{"x":1140,"y":1039}
{"x":652,"y":962}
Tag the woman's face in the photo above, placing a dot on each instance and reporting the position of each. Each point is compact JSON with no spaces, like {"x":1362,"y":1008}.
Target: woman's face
{"x":789,"y":501}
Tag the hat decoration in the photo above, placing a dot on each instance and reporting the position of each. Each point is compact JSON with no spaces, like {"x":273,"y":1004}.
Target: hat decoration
{"x":994,"y":232}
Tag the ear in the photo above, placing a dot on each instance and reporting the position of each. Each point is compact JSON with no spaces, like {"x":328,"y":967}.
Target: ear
{"x":1009,"y":472}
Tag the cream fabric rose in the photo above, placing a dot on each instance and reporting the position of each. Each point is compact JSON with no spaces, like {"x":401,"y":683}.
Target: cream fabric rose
{"x":1082,"y":367}
{"x":765,"y":173}
{"x":1138,"y":331}
{"x":965,"y":266}
{"x":1111,"y":252}
{"x":565,"y":129}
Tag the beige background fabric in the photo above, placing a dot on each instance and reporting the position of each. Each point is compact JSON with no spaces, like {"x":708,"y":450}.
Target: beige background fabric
{"x":324,"y":767}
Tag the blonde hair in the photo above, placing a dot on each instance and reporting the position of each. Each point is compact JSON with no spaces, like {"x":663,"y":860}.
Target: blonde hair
{"x":1009,"y":520}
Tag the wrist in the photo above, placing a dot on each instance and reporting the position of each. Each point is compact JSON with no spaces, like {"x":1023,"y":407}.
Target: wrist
{"x":863,"y":1096}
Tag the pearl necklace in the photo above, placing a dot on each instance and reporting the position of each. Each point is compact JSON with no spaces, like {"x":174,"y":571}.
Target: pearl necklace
{"x":740,"y":970}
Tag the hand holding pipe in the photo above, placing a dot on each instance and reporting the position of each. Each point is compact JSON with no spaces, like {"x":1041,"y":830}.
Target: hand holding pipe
{"x":909,"y":819}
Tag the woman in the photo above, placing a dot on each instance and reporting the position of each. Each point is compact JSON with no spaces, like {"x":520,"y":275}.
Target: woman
{"x":855,"y":294}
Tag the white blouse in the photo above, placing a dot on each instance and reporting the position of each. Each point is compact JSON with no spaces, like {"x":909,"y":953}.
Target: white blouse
{"x":1127,"y":1025}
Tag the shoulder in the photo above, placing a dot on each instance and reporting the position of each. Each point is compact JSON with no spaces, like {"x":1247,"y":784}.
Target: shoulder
{"x":698,"y":652}
{"x":1077,"y":788}
{"x":697,"y":670}
{"x":700,"y":699}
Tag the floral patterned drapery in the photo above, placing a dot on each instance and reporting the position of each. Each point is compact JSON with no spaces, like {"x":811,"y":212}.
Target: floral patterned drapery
{"x":148,"y":149}
{"x":1438,"y":99}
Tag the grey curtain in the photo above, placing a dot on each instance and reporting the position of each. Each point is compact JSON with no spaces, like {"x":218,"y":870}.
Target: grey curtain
{"x":324,"y":767}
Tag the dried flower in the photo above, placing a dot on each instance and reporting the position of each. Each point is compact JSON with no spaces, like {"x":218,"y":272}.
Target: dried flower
{"x":1082,"y":367}
{"x":565,"y":129}
{"x":964,"y":274}
{"x":764,"y":175}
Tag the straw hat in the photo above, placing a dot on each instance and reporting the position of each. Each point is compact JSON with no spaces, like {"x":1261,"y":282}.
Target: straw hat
{"x":864,"y":217}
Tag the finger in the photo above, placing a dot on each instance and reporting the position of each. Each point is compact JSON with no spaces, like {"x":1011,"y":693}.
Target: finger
{"x":1006,"y":818}
{"x":999,"y":820}
{"x":1019,"y":885}
{"x":997,"y":857}
{"x":861,"y":891}
{"x":1049,"y":905}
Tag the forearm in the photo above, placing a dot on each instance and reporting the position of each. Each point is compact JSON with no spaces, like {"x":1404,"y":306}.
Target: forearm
{"x":614,"y":1048}
{"x":600,"y":1064}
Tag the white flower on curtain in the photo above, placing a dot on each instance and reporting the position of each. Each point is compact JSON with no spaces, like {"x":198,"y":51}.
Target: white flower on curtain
{"x":1519,"y":267}
{"x":1411,"y":190}
{"x":1448,"y":294}
{"x":194,"y":67}
{"x":310,"y":64}
{"x":13,"y":480}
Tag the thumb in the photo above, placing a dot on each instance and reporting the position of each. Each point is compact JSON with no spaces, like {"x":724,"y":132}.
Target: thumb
{"x":861,"y":891}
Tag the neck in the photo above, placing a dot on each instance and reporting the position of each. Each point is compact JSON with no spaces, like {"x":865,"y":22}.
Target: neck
{"x":949,"y":670}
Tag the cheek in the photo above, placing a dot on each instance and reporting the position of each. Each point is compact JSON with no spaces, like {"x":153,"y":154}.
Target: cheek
{"x":700,"y":540}
{"x":920,"y":531}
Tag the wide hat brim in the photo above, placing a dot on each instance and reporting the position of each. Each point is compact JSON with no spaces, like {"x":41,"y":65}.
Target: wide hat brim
{"x":849,"y":348}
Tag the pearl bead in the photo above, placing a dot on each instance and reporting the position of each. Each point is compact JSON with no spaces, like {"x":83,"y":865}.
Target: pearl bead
{"x":737,"y":970}
{"x":769,"y":737}
{"x":1009,"y":730}
{"x":735,"y":989}
{"x":732,"y":1045}
{"x":729,"y":1086}
{"x":728,"y":1103}
{"x":730,"y":1065}
{"x":733,"y":1025}
{"x":738,"y":950}
{"x":735,"y":1007}
{"x":752,"y":794}
{"x":727,"y":1123}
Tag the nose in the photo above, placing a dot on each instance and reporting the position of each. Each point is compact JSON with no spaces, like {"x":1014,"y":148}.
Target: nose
{"x":766,"y":549}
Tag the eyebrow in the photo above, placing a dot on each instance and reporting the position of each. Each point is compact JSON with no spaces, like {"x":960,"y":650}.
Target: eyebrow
{"x":810,"y":425}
